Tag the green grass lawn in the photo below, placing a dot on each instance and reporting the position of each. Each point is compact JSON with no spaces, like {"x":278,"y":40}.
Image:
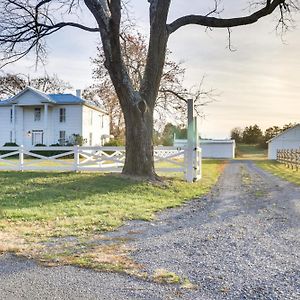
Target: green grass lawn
{"x":247,"y":151}
{"x":280,"y":170}
{"x":37,"y":207}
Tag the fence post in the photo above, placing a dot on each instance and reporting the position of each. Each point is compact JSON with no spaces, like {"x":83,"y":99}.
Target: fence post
{"x":197,"y":164}
{"x":76,"y":158}
{"x":21,"y":158}
{"x":190,"y":143}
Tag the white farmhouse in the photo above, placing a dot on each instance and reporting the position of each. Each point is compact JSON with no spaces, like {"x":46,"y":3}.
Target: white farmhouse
{"x":288,"y":139}
{"x":33,"y":117}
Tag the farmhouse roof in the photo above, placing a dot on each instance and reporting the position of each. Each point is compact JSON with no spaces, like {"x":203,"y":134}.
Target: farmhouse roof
{"x":283,"y":132}
{"x":59,"y":99}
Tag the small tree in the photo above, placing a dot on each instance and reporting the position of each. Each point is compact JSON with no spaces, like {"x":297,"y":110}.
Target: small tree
{"x":252,"y":135}
{"x":167,"y":136}
{"x":77,"y":139}
{"x":288,"y":126}
{"x":269,"y":134}
{"x":237,"y":134}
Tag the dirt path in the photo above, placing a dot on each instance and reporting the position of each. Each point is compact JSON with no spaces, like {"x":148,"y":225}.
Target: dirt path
{"x":240,"y":242}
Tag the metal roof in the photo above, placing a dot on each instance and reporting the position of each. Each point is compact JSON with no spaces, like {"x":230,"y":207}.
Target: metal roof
{"x":5,"y":102}
{"x":66,"y":99}
{"x":58,"y":99}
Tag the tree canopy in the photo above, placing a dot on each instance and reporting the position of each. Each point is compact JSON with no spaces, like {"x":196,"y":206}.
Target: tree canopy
{"x":253,"y":134}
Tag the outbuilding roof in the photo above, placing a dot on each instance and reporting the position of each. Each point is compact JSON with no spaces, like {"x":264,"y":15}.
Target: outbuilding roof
{"x":283,"y":132}
{"x":216,"y":141}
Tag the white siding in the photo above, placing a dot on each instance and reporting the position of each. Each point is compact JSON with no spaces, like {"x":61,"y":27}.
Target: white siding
{"x":217,"y":150}
{"x":95,"y":124}
{"x":73,"y":124}
{"x":5,"y":125}
{"x":30,"y":98}
{"x":287,"y":140}
{"x":21,"y":135}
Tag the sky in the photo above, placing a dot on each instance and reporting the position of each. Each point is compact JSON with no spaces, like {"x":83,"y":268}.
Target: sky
{"x":258,"y":83}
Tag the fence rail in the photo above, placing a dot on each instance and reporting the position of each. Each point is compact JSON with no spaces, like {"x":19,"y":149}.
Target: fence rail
{"x":289,"y":157}
{"x":97,"y":159}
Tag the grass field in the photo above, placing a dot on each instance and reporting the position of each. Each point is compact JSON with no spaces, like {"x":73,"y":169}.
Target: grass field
{"x":37,"y":208}
{"x":246,"y":151}
{"x":280,"y":170}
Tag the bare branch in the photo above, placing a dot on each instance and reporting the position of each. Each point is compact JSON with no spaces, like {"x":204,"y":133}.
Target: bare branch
{"x":25,"y":24}
{"x":213,"y":22}
{"x":229,"y":41}
{"x":215,"y":10}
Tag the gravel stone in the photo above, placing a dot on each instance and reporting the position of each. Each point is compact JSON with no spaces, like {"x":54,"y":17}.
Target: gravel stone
{"x":242,"y":241}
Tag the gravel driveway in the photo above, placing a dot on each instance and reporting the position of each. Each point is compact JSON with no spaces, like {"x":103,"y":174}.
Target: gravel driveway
{"x":240,"y":242}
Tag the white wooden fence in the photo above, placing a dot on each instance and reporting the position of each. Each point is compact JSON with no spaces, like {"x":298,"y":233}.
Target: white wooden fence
{"x":99,"y":159}
{"x":289,"y":157}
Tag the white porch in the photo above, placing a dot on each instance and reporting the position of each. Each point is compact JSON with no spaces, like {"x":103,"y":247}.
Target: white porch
{"x":30,"y":124}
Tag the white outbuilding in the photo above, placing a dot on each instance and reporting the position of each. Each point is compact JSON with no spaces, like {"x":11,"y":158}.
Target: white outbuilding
{"x":288,"y":139}
{"x":212,"y":148}
{"x":217,"y":148}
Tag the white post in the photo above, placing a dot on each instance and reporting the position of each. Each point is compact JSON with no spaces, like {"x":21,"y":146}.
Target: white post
{"x":14,"y":123}
{"x":190,"y":143}
{"x":21,"y":118}
{"x":46,"y":124}
{"x":197,"y":152}
{"x":21,"y":158}
{"x":76,"y":158}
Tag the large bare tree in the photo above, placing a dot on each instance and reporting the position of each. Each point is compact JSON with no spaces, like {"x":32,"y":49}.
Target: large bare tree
{"x":24,"y":25}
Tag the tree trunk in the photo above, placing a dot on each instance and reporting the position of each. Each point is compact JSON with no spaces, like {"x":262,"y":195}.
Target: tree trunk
{"x":137,"y":106}
{"x":139,"y":144}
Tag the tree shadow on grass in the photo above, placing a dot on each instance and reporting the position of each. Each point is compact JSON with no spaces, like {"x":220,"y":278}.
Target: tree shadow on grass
{"x":35,"y":189}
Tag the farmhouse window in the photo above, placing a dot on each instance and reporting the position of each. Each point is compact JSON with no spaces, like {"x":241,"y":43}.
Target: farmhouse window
{"x":62,"y":115}
{"x":62,"y":137}
{"x":11,"y":115}
{"x":37,"y":114}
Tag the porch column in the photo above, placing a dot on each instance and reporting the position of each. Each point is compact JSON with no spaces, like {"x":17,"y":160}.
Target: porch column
{"x":46,"y":139}
{"x":14,"y":138}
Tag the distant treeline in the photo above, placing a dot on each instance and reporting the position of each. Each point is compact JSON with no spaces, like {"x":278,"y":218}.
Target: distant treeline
{"x":254,"y":135}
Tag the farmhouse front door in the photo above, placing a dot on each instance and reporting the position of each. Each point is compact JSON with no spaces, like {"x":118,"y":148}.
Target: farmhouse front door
{"x":37,"y":137}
